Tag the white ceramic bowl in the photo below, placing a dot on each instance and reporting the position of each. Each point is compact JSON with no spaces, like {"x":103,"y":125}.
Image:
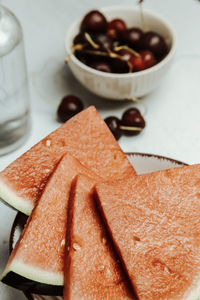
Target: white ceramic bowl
{"x":121,"y":86}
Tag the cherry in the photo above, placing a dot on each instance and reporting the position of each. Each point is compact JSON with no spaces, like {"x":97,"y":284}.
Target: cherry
{"x":119,"y":66}
{"x":103,"y":41}
{"x":125,"y":54}
{"x":138,"y":63}
{"x":148,"y":58}
{"x":94,"y":21}
{"x":113,"y":124}
{"x":132,"y":118}
{"x":144,"y":61}
{"x":80,"y":39}
{"x":115,"y":28}
{"x":155,"y":43}
{"x":69,"y":106}
{"x":102,"y":66}
{"x":84,"y":58}
{"x":133,"y":37}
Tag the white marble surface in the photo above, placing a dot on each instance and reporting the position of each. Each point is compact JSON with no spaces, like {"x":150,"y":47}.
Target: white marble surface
{"x":171,"y":112}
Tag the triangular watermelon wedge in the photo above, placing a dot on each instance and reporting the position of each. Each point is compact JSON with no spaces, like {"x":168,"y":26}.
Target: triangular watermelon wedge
{"x":154,"y":221}
{"x":36,"y":263}
{"x":85,"y":136}
{"x":92,"y":270}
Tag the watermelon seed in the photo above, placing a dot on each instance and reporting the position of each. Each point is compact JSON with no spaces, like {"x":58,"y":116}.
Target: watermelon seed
{"x":48,"y":143}
{"x":76,"y":247}
{"x":104,"y":241}
{"x":101,"y":268}
{"x":62,"y":243}
{"x":136,"y":238}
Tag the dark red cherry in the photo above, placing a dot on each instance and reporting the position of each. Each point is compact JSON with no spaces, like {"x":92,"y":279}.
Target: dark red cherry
{"x":69,"y":106}
{"x":94,"y":21}
{"x":83,"y":57}
{"x":133,"y":37}
{"x":102,"y":66}
{"x":125,"y":54}
{"x":148,"y":58}
{"x":114,"y":125}
{"x":132,"y":118}
{"x":80,"y":39}
{"x":103,"y":41}
{"x":115,"y":28}
{"x":155,"y":43}
{"x":119,"y":66}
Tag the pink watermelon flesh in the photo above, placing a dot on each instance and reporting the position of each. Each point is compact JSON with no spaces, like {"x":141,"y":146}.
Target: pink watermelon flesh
{"x":91,"y":267}
{"x":39,"y":253}
{"x":154,"y":221}
{"x":85,"y":136}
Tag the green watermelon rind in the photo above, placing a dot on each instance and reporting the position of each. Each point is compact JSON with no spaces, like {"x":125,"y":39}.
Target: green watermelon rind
{"x":10,"y":198}
{"x":34,"y":273}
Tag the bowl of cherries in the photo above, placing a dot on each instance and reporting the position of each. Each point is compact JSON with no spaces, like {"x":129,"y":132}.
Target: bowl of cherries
{"x":118,"y":52}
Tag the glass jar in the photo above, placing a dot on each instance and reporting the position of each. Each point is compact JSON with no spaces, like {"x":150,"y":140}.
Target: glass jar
{"x":14,"y":92}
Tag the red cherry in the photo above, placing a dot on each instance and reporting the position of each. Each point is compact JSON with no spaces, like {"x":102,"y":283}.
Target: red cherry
{"x":115,"y":27}
{"x":148,"y":58}
{"x":137,"y":63}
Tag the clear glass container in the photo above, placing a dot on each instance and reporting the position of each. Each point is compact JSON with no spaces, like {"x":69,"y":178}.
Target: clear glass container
{"x":14,"y":92}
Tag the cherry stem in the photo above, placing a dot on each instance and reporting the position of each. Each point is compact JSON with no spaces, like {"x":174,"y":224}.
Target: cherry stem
{"x":118,"y":48}
{"x":101,"y":53}
{"x":131,"y":128}
{"x":111,"y":55}
{"x":78,"y":47}
{"x":67,"y":58}
{"x":90,"y":41}
{"x":145,"y":28}
{"x":134,"y":99}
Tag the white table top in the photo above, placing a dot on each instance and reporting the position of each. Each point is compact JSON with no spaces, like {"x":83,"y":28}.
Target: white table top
{"x":171,"y":112}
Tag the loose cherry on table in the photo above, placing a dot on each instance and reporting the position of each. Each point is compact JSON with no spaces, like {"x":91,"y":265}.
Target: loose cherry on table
{"x":70,"y":105}
{"x":132,"y":122}
{"x":113,"y":124}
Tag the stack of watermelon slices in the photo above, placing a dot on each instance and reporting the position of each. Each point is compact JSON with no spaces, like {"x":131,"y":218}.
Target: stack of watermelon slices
{"x":97,"y":228}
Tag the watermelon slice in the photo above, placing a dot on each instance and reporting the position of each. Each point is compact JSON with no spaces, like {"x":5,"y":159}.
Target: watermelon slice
{"x":154,"y":221}
{"x":85,"y":136}
{"x":91,"y":269}
{"x":36,"y":263}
